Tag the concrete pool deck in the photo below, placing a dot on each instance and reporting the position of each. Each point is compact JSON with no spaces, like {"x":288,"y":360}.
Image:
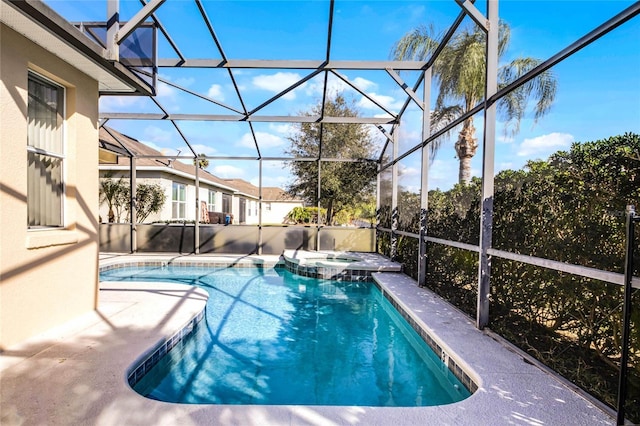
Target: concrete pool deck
{"x":76,"y":374}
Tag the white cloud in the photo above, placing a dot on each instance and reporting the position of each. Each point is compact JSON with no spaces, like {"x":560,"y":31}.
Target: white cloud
{"x":215,"y":92}
{"x":406,"y":171}
{"x":204,"y":149}
{"x":337,"y":85}
{"x":443,"y":174}
{"x":508,"y":165}
{"x":274,"y":173}
{"x":166,"y":91}
{"x":384,"y":100}
{"x":283,"y":129}
{"x":185,"y":81}
{"x":265,"y":140}
{"x":504,"y":139}
{"x":277,"y":181}
{"x":334,"y":85}
{"x":408,"y":177}
{"x":545,"y":144}
{"x":246,"y":141}
{"x":156,"y":134}
{"x":226,"y":171}
{"x":163,"y":150}
{"x":117,"y":103}
{"x":364,"y":84}
{"x":277,"y":82}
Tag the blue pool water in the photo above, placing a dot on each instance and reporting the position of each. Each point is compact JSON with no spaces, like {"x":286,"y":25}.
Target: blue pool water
{"x":270,"y":337}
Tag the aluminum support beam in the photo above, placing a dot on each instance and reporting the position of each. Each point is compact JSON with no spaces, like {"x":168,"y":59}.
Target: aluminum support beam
{"x":394,"y":199}
{"x":424,"y":180}
{"x":292,"y":64}
{"x":378,"y":192}
{"x":477,"y":16}
{"x":113,"y":27}
{"x":133,"y":203}
{"x":488,"y":154}
{"x":196,"y":230}
{"x":255,"y":119}
{"x":260,"y":240}
{"x":128,"y":28}
{"x":632,"y":219}
{"x":166,"y":34}
{"x":362,"y":92}
{"x":319,"y":224}
{"x":554,"y":265}
{"x":191,"y":92}
{"x":456,"y":244}
{"x":412,"y":94}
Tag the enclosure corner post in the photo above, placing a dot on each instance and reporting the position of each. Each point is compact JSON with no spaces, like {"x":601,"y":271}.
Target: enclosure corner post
{"x":132,"y":207}
{"x":196,"y":224}
{"x":488,"y":154}
{"x":260,"y":238}
{"x":378,"y":205}
{"x":626,"y":312}
{"x":393,"y":250}
{"x":113,"y":27}
{"x":424,"y":183}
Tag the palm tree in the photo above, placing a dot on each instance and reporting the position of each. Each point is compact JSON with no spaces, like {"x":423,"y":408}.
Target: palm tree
{"x":115,"y":193}
{"x":459,"y":72}
{"x":201,"y":161}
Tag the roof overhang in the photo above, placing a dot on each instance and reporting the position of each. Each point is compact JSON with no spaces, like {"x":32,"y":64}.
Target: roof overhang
{"x":164,"y":169}
{"x":43,"y":26}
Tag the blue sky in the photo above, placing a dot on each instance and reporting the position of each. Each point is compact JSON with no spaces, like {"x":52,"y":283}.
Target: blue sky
{"x":598,"y":88}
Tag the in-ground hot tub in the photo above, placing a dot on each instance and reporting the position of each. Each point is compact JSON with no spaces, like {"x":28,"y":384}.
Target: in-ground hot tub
{"x":336,"y":265}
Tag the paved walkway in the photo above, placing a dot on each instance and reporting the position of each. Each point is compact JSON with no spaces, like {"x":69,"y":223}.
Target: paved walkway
{"x":76,"y":374}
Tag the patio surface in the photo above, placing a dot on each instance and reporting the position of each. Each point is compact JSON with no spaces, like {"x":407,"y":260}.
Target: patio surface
{"x":76,"y":374}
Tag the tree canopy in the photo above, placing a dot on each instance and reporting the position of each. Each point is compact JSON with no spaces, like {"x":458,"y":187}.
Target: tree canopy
{"x":349,"y":178}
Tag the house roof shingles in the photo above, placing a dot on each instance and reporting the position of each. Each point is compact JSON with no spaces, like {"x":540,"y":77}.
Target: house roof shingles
{"x":114,"y":141}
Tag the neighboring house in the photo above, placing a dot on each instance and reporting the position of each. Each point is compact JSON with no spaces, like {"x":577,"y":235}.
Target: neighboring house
{"x":276,"y":205}
{"x":236,"y":197}
{"x":177,"y":179}
{"x":51,"y":78}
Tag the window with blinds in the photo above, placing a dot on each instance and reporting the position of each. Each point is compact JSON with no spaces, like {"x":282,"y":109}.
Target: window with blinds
{"x":45,"y":153}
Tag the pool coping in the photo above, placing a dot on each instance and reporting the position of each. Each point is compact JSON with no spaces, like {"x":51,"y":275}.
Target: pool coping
{"x":91,"y":386}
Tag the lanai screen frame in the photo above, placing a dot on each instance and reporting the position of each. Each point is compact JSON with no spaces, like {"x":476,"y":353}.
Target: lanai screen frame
{"x":488,"y":23}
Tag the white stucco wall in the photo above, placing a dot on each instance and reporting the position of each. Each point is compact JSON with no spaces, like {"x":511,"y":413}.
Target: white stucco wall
{"x":278,"y":211}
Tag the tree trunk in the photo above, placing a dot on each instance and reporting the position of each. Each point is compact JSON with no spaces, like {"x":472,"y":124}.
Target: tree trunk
{"x":464,"y":173}
{"x":466,"y":148}
{"x":329,"y":212}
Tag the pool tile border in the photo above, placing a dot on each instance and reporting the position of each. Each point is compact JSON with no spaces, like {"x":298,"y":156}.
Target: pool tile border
{"x":444,"y":356}
{"x":324,"y":273}
{"x":149,"y":360}
{"x":190,"y":264}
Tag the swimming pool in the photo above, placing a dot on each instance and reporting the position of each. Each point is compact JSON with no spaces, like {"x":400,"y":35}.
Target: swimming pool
{"x":270,"y":337}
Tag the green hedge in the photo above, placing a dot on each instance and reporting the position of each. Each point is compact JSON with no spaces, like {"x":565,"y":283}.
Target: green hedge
{"x":569,"y":208}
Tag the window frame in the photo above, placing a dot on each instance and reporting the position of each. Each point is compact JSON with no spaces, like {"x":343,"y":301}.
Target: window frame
{"x":61,"y":111}
{"x":176,"y":204}
{"x":211,"y":206}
